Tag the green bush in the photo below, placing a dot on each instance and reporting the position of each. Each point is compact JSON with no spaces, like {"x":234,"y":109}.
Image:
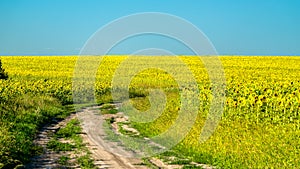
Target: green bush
{"x":59,"y":146}
{"x":20,"y":119}
{"x":3,"y":74}
{"x":70,"y":130}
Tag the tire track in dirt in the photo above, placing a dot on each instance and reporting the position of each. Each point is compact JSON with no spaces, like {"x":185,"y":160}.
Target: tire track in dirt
{"x":95,"y":138}
{"x":48,"y":158}
{"x":101,"y":149}
{"x":110,"y":153}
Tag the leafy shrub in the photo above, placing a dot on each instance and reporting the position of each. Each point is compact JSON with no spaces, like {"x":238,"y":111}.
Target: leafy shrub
{"x":3,"y":74}
{"x":59,"y":146}
{"x":70,"y":130}
{"x":20,"y":118}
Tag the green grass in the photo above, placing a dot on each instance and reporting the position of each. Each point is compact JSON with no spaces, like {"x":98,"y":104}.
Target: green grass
{"x":108,"y":109}
{"x":56,"y":145}
{"x":20,"y":118}
{"x":70,"y":132}
{"x":86,"y":162}
{"x":63,"y":160}
{"x":237,"y":143}
{"x":191,"y":167}
{"x":107,"y":106}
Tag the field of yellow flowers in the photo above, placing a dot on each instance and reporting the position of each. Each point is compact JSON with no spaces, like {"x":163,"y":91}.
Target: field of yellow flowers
{"x":260,"y":126}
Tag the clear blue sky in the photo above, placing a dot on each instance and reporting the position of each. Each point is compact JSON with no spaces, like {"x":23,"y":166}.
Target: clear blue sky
{"x":235,"y":27}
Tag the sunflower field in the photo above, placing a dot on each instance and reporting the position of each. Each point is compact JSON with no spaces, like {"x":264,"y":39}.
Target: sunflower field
{"x":259,"y":127}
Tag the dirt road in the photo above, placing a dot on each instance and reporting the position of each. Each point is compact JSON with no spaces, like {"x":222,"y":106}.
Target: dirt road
{"x":106,"y":153}
{"x":101,"y":149}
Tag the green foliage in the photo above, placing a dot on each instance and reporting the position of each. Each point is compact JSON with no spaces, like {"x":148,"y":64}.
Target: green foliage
{"x":86,"y":162}
{"x":56,"y":145}
{"x":3,"y":74}
{"x":63,"y":160}
{"x":108,"y":109}
{"x":70,"y":130}
{"x":107,"y":106}
{"x":20,"y":118}
{"x":67,"y":138}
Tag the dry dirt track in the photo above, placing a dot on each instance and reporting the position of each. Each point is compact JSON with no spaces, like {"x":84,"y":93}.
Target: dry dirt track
{"x":49,"y":158}
{"x":92,"y":125}
{"x":94,"y":135}
{"x":101,"y":149}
